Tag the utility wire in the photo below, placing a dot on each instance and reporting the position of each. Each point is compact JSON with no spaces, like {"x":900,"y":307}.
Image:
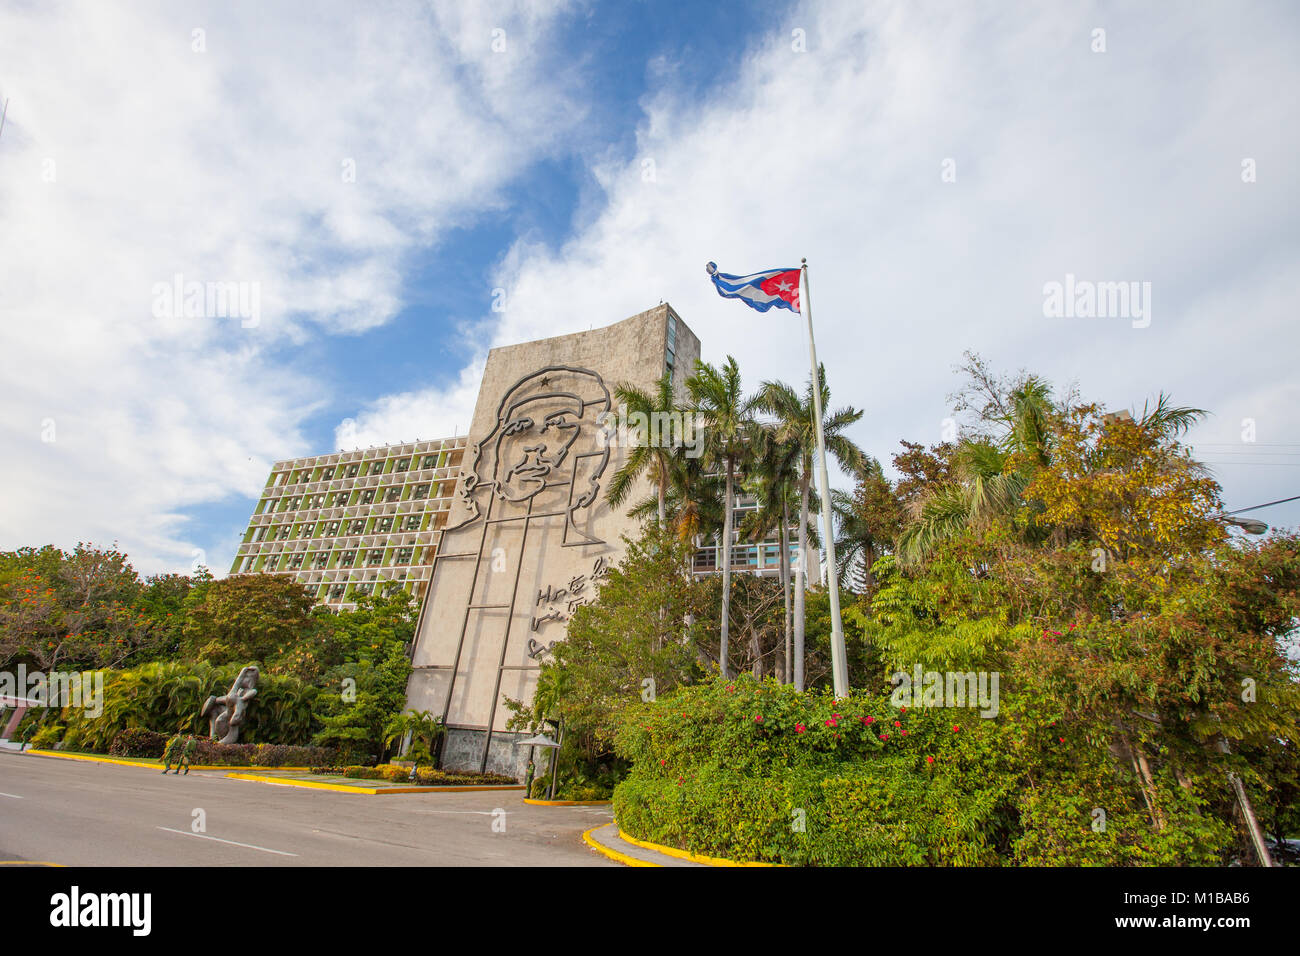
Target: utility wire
{"x":1265,"y":505}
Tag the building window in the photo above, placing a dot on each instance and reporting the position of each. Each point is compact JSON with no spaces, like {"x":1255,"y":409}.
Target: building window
{"x":377,"y":468}
{"x":347,"y":559}
{"x":352,"y":471}
{"x":404,"y":555}
{"x":393,"y":494}
{"x":376,"y":557}
{"x":357,"y":527}
{"x":331,"y":529}
{"x":322,"y":558}
{"x":421,"y":492}
{"x":295,"y":562}
{"x":412,"y":523}
{"x":327,"y":473}
{"x":336,"y":591}
{"x":384,"y":525}
{"x":368,"y":496}
{"x":402,"y":465}
{"x":430,"y":461}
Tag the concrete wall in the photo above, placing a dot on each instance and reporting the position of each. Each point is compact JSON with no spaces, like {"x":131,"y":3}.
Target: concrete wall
{"x":530,"y":535}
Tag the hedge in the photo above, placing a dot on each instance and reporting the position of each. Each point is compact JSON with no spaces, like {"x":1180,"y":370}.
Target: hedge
{"x":759,"y":772}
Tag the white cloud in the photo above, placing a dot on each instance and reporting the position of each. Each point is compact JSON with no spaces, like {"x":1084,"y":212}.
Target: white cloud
{"x":130,"y":156}
{"x":1123,"y":165}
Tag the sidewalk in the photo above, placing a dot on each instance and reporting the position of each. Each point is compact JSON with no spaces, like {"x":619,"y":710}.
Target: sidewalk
{"x":606,"y":840}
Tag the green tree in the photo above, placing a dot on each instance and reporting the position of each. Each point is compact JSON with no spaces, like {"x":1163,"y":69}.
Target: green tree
{"x":247,"y":617}
{"x":729,"y":431}
{"x":655,"y":459}
{"x":796,"y":423}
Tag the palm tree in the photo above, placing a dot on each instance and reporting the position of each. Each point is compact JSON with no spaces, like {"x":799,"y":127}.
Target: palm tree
{"x":796,"y":422}
{"x":655,"y":459}
{"x":725,"y":414}
{"x":424,"y":729}
{"x":991,"y":471}
{"x":774,"y":475}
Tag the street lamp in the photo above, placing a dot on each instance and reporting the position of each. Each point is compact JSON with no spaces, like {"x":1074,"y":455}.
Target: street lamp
{"x":1248,"y":525}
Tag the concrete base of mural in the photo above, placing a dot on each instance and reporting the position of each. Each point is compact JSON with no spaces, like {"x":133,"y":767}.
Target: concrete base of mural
{"x":463,"y":750}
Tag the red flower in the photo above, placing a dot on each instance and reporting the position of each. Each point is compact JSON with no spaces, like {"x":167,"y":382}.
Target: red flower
{"x":902,"y":710}
{"x":662,"y":762}
{"x":799,"y":728}
{"x":903,"y":732}
{"x":955,"y":728}
{"x":897,"y":724}
{"x":884,"y":736}
{"x":758,"y":718}
{"x":868,"y":720}
{"x":929,"y":760}
{"x":1062,"y":740}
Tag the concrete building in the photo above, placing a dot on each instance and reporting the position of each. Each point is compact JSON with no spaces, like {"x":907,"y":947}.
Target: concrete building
{"x":502,"y":533}
{"x":345,"y":523}
{"x":530,"y":534}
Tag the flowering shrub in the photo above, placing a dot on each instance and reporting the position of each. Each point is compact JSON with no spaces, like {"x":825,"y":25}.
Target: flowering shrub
{"x":138,"y":743}
{"x":424,"y":776}
{"x":147,"y":743}
{"x":859,"y":782}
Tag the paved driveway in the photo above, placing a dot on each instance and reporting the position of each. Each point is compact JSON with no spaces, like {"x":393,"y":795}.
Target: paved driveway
{"x":90,"y":814}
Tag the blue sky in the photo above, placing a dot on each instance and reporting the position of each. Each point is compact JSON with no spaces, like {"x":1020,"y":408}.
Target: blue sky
{"x":505,"y":145}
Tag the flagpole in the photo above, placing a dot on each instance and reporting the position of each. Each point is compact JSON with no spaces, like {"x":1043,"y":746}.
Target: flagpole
{"x":839,"y":666}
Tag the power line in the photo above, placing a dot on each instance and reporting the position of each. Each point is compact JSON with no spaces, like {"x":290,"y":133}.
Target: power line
{"x":1268,"y":504}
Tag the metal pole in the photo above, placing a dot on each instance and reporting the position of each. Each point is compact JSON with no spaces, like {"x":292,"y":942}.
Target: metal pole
{"x":555,"y":761}
{"x":1247,"y":811}
{"x":839,"y":665}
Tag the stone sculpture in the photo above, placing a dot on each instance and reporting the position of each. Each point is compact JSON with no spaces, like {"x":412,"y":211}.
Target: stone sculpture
{"x":227,"y":714}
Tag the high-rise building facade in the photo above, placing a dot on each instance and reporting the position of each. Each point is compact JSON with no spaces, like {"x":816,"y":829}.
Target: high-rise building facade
{"x":346,"y":523}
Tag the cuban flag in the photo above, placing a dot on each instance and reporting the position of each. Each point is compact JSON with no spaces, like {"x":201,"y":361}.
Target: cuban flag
{"x":762,"y":290}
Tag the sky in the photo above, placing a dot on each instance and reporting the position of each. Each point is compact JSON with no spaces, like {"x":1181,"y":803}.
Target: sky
{"x":391,"y":189}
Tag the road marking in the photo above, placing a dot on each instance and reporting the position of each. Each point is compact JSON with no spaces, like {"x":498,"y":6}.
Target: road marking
{"x":250,"y":846}
{"x":13,"y":795}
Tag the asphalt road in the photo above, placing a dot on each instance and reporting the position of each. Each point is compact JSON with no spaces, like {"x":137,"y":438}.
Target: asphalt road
{"x":90,"y":814}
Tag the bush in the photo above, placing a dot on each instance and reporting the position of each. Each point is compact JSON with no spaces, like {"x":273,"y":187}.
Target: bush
{"x":424,"y":776}
{"x":46,"y":737}
{"x":284,"y":755}
{"x":757,"y":771}
{"x":138,"y":743}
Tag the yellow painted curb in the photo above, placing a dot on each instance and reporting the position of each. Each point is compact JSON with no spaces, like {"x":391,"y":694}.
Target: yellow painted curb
{"x":30,"y":863}
{"x":687,"y":854}
{"x":613,"y":854}
{"x":364,"y":791}
{"x":123,"y":762}
{"x":567,"y":803}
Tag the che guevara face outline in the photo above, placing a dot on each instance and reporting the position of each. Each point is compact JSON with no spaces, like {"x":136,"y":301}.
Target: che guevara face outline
{"x":490,"y":464}
{"x":533,"y":441}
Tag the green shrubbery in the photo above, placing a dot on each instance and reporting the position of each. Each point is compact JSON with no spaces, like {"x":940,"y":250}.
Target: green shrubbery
{"x":166,"y":699}
{"x":424,"y":776}
{"x":758,"y":771}
{"x":149,"y":744}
